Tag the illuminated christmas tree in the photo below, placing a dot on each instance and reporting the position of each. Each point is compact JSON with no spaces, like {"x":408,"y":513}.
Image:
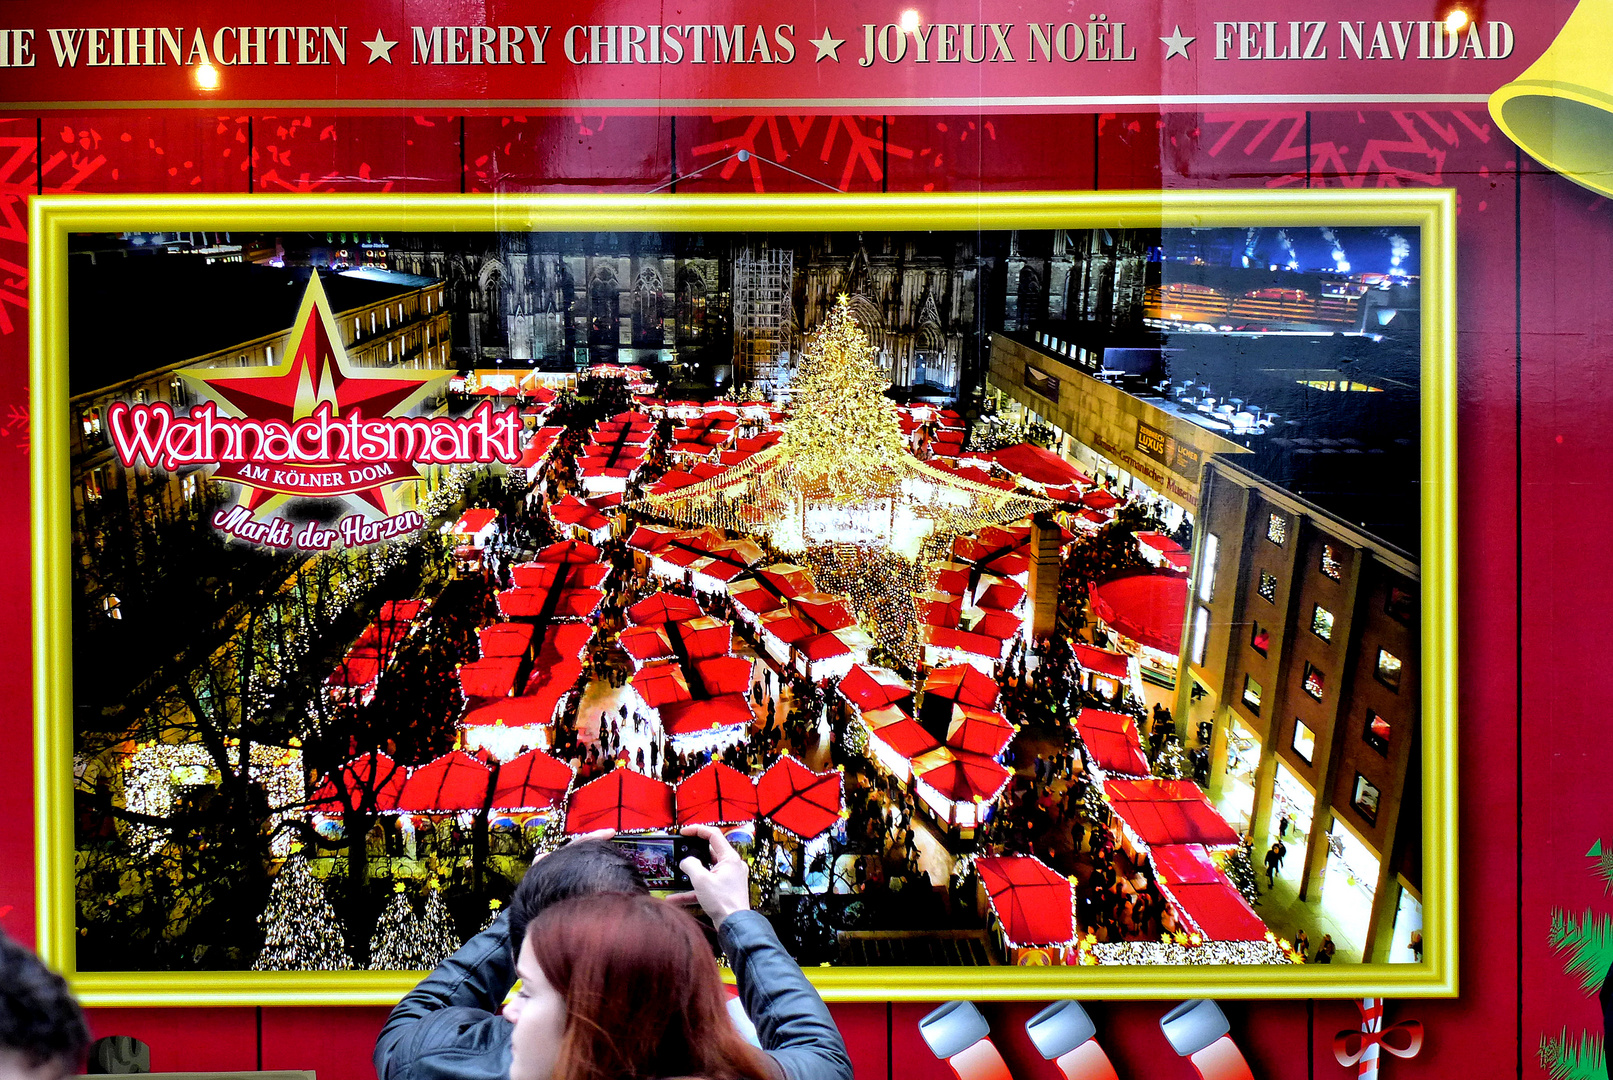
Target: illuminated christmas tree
{"x":404,"y":941}
{"x":1172,"y":762}
{"x":300,"y":929}
{"x":843,"y":438}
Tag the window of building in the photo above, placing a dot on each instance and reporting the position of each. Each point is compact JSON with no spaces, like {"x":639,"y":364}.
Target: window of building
{"x":1304,"y":741}
{"x":1376,"y":733}
{"x":178,"y":392}
{"x":1388,"y":669}
{"x":1212,"y":548}
{"x":1260,"y":639}
{"x":90,"y":420}
{"x":1322,"y":623}
{"x":1314,"y":681}
{"x":1399,"y":605}
{"x":1365,"y":799}
{"x":1251,"y":693}
{"x":1331,"y":567}
{"x":372,"y":322}
{"x":1268,"y":586}
{"x":111,"y":606}
{"x":189,"y":486}
{"x":1277,"y":529}
{"x":140,"y":396}
{"x":1201,"y":633}
{"x":268,"y":350}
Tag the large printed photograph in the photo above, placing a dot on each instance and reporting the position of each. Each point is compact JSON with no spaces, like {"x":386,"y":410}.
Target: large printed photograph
{"x":1023,"y":597}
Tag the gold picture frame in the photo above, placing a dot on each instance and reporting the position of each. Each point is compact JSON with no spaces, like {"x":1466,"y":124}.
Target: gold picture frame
{"x":1432,"y":212}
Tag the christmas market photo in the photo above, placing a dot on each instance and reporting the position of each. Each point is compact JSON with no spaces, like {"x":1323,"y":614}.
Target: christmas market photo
{"x":1040,"y":597}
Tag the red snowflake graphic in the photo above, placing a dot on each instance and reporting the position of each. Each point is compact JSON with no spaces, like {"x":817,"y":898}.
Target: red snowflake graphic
{"x":763,"y":140}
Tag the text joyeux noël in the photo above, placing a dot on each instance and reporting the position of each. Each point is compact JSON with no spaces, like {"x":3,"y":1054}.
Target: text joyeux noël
{"x":1096,"y":39}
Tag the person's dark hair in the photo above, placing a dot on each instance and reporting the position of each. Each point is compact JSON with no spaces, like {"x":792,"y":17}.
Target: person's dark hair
{"x":581,"y":868}
{"x":642,"y":992}
{"x":38,"y":1017}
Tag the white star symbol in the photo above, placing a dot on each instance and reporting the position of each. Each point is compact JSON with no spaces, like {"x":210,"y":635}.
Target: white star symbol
{"x":828,"y":46}
{"x":380,"y":48}
{"x":1178,"y":43}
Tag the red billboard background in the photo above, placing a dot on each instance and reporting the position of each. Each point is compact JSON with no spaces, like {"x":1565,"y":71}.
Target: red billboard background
{"x":1535,"y":256}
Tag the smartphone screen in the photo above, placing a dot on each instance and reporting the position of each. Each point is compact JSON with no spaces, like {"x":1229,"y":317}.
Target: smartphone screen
{"x":657,"y":858}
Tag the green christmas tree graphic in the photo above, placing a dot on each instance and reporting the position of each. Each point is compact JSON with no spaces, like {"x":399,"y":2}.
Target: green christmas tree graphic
{"x":1586,"y":944}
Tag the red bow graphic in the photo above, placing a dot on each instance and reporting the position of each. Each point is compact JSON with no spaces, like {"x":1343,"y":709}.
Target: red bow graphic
{"x":1402,"y":1040}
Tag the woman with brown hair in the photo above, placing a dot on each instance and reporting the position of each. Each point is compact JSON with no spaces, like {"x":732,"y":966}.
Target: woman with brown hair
{"x":619,"y":986}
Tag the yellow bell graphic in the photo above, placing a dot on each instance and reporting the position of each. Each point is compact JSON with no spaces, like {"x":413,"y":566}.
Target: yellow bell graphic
{"x":1560,"y":111}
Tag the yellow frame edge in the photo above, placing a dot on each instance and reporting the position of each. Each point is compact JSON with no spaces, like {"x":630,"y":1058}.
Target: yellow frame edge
{"x":52,"y":218}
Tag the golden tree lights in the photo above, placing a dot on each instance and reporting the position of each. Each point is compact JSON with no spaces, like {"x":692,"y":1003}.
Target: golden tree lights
{"x":843,"y":438}
{"x":840,"y":492}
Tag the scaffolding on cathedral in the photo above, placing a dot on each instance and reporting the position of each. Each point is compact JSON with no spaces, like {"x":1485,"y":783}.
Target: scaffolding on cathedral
{"x":763,"y":283}
{"x":841,"y":492}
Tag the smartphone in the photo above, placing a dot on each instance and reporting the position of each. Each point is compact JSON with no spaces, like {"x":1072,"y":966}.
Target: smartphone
{"x":657,"y":857}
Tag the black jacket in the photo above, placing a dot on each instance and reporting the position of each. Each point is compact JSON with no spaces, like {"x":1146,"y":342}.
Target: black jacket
{"x":449,"y":1027}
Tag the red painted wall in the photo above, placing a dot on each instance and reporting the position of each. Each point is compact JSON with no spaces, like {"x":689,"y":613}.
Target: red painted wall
{"x":1536,"y":450}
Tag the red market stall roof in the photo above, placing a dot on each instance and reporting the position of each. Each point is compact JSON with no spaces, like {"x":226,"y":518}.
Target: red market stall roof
{"x":474,"y":521}
{"x":829,"y":611}
{"x":1032,"y":902}
{"x":401,"y":610}
{"x":717,"y":794}
{"x":786,"y":627}
{"x":963,"y":683}
{"x":540,"y":575}
{"x":823,"y":647}
{"x":1148,"y":608}
{"x":680,"y":718}
{"x":1100,"y":500}
{"x":961,"y":776}
{"x":787,"y":580}
{"x":663,"y":607}
{"x":523,"y":710}
{"x":757,"y":600}
{"x":1113,"y":741}
{"x":798,"y":800}
{"x":702,"y":637}
{"x":555,"y":668}
{"x":1039,"y":465}
{"x":1168,"y":812}
{"x":531,"y":781}
{"x":568,"y":551}
{"x":1204,"y":894}
{"x":874,"y":687}
{"x":884,"y":716}
{"x":531,"y":603}
{"x":661,"y":684}
{"x":505,"y":639}
{"x":725,"y":674}
{"x":1112,"y":665}
{"x":979,"y":731}
{"x":454,"y":782}
{"x":573,"y":511}
{"x":1003,"y":596}
{"x":1159,"y":542}
{"x":355,"y":669}
{"x":369,"y":782}
{"x":645,"y":643}
{"x":907,"y":737}
{"x":623,"y":800}
{"x":490,"y":678}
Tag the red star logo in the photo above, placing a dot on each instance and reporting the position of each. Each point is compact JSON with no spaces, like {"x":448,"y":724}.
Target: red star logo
{"x":316,"y":373}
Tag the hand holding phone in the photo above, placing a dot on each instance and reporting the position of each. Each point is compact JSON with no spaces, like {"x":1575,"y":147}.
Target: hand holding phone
{"x":723,"y":886}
